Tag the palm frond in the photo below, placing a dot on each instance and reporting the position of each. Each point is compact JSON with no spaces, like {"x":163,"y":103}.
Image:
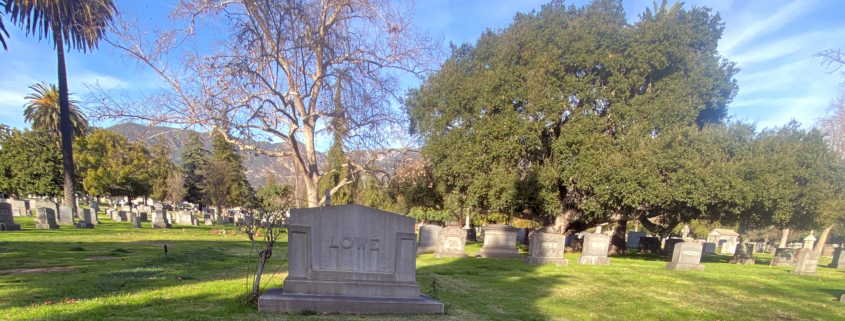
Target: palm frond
{"x":78,"y":23}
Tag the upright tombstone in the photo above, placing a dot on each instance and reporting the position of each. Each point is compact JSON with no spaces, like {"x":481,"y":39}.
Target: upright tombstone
{"x":350,"y":259}
{"x":48,"y":204}
{"x":136,"y":221}
{"x":451,"y":241}
{"x":838,"y":259}
{"x":595,"y":249}
{"x":807,"y":262}
{"x":743,"y":254}
{"x":499,"y":242}
{"x":728,"y":248}
{"x":546,"y":248}
{"x":709,"y":248}
{"x":7,"y":222}
{"x":633,"y":241}
{"x":471,"y":235}
{"x":160,"y":219}
{"x":19,"y":207}
{"x":669,"y":246}
{"x":46,"y":218}
{"x":428,"y":238}
{"x":86,"y":219}
{"x":784,"y":256}
{"x":649,"y":244}
{"x":809,"y":241}
{"x":207,"y":219}
{"x":122,"y":216}
{"x":686,"y":256}
{"x":65,"y":216}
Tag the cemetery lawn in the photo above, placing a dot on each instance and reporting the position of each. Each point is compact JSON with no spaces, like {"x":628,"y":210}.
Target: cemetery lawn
{"x":115,"y":272}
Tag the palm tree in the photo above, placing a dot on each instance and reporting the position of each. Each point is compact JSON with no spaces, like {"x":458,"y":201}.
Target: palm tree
{"x":42,"y":110}
{"x":79,"y":24}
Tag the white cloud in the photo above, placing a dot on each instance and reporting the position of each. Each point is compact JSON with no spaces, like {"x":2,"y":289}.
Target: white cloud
{"x":738,"y":35}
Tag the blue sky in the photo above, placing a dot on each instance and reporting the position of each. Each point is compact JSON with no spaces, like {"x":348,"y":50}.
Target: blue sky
{"x":773,"y":42}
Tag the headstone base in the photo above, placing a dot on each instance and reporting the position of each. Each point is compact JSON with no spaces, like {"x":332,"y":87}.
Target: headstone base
{"x":426,"y":249}
{"x":161,"y":225}
{"x":783,"y":264}
{"x":545,"y":260}
{"x":84,"y":225}
{"x":593,"y":260}
{"x":446,"y":255}
{"x":275,"y":300}
{"x":684,"y":266}
{"x":499,"y":252}
{"x":802,"y":273}
{"x":208,"y":222}
{"x":10,"y":227}
{"x":745,"y":261}
{"x":46,"y":226}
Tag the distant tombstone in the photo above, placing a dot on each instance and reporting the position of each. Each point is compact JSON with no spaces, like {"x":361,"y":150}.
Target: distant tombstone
{"x":428,"y":238}
{"x":522,"y":235}
{"x":577,"y":244}
{"x":136,"y":221}
{"x":46,"y":218}
{"x":94,"y":206}
{"x":709,"y":248}
{"x":809,"y":241}
{"x":546,"y":248}
{"x":7,"y":222}
{"x":686,"y":256}
{"x":48,"y":204}
{"x":19,"y":207}
{"x":207,"y":219}
{"x":160,"y":219}
{"x":595,"y":249}
{"x":649,"y":244}
{"x":784,"y":256}
{"x":728,"y":248}
{"x":183,"y":217}
{"x":122,"y":216}
{"x":471,"y":235}
{"x":634,"y":239}
{"x":838,"y":259}
{"x":350,"y":259}
{"x":807,"y":262}
{"x":144,"y":216}
{"x":499,"y":242}
{"x":195,"y":221}
{"x":451,"y":241}
{"x":669,"y":246}
{"x":828,"y":250}
{"x":743,"y":254}
{"x":65,"y":216}
{"x":85,"y":219}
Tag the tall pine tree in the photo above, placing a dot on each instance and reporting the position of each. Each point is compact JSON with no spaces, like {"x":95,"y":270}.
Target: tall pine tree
{"x":194,"y":160}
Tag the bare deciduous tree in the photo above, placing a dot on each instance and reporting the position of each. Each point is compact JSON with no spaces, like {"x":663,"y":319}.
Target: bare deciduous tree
{"x":175,"y":187}
{"x":276,"y":69}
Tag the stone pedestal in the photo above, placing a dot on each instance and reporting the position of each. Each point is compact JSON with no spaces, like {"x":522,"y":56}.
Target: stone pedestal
{"x":743,"y":254}
{"x":633,"y":241}
{"x":784,"y":256}
{"x":451,"y":242}
{"x":428,"y":238}
{"x":499,"y":242}
{"x":595,"y":249}
{"x":46,"y":219}
{"x":546,"y":248}
{"x":709,"y":248}
{"x":350,"y":259}
{"x":648,"y":245}
{"x":65,"y":216}
{"x":669,"y":246}
{"x":7,"y":222}
{"x":686,"y":256}
{"x":807,"y":262}
{"x":838,"y":259}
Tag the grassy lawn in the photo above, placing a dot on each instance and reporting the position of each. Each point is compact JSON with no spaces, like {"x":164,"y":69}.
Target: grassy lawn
{"x":115,"y":272}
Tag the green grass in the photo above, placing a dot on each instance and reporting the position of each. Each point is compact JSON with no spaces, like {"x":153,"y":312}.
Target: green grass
{"x":123,"y":274}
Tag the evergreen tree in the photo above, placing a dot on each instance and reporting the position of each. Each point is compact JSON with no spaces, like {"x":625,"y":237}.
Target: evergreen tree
{"x":159,"y":170}
{"x":109,"y":165}
{"x":30,"y":163}
{"x":237,"y":187}
{"x":194,"y":159}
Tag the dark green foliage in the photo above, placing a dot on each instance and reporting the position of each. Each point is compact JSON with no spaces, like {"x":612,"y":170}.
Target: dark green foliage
{"x":194,"y":159}
{"x":160,"y":168}
{"x":109,"y":165}
{"x":77,"y":249}
{"x":30,"y":163}
{"x":235,"y":188}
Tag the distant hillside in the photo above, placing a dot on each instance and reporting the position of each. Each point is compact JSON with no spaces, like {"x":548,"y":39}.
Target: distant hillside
{"x":258,"y":166}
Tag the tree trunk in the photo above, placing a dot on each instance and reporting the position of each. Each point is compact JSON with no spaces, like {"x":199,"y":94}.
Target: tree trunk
{"x":822,"y":239}
{"x":618,"y":246}
{"x":64,"y":124}
{"x":784,"y":237}
{"x":256,"y":286}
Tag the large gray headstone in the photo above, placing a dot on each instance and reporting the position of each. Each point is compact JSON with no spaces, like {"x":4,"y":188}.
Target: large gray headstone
{"x":669,"y":246}
{"x":634,"y":239}
{"x":85,"y":218}
{"x":686,"y":256}
{"x":499,"y":242}
{"x":428,"y":238}
{"x":649,"y":245}
{"x":807,"y":262}
{"x":350,"y":259}
{"x":709,"y":248}
{"x":451,"y":242}
{"x":7,"y":222}
{"x":728,"y":248}
{"x":160,"y":218}
{"x":838,"y":259}
{"x":546,"y":248}
{"x":65,"y":216}
{"x":594,"y":251}
{"x":46,"y":218}
{"x":784,"y":256}
{"x":743,"y":254}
